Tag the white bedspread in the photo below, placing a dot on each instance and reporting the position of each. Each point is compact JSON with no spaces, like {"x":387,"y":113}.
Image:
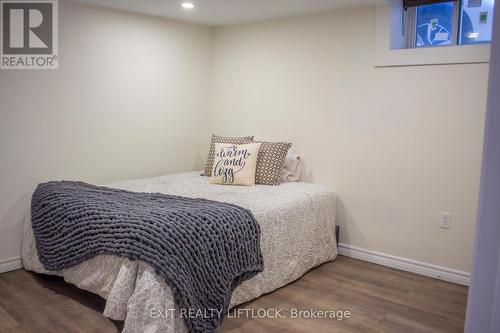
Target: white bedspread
{"x":297,"y":222}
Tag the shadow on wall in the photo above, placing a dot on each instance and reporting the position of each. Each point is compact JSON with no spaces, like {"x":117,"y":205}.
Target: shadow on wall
{"x":344,"y":219}
{"x":347,"y":224}
{"x":306,"y":175}
{"x":199,"y":161}
{"x":12,"y":222}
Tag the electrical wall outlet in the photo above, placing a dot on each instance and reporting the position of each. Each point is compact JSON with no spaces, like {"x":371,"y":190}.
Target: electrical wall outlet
{"x":445,"y":220}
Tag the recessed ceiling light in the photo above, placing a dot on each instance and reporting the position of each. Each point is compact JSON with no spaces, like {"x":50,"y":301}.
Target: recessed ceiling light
{"x":187,"y":5}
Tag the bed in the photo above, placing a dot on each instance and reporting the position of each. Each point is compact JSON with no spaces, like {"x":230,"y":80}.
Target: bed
{"x":297,"y":223}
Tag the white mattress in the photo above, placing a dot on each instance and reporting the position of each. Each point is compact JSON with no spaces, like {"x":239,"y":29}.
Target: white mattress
{"x":297,"y":222}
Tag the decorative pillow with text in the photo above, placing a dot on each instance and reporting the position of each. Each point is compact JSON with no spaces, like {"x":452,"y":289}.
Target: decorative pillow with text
{"x":235,"y":164}
{"x":222,"y":139}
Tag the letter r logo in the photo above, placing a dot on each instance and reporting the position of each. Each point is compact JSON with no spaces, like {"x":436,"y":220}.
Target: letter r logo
{"x":27,"y":27}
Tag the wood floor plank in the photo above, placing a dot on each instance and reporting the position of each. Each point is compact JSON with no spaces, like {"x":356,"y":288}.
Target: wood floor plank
{"x":6,"y":321}
{"x":379,"y":299}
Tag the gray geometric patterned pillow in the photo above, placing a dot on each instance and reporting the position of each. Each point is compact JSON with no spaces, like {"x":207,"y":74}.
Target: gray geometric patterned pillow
{"x":270,"y":162}
{"x":222,"y":139}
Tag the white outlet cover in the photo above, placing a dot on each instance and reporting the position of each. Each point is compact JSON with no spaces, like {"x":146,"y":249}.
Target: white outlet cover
{"x":445,"y":220}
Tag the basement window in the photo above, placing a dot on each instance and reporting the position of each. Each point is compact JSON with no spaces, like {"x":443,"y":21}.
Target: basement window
{"x":430,"y":23}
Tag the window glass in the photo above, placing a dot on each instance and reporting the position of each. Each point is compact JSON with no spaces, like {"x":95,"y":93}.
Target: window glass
{"x":476,"y":21}
{"x":434,"y":24}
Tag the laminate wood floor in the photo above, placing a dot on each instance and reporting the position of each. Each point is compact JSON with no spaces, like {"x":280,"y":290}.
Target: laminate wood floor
{"x":379,"y":299}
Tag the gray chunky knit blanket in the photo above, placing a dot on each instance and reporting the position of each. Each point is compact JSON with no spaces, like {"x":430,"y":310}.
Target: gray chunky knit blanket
{"x":204,"y":249}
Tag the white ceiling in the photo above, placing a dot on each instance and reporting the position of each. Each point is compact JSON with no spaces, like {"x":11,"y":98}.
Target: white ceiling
{"x":225,"y":12}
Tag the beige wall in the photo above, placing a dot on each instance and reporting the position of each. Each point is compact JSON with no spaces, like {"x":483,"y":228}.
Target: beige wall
{"x":397,"y":144}
{"x":134,"y":94}
{"x":130,"y":99}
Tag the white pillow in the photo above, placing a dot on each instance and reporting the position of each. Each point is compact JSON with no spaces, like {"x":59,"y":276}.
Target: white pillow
{"x":291,"y":167}
{"x":235,"y":164}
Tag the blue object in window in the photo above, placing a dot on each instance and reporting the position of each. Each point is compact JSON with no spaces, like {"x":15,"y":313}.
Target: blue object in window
{"x":476,"y":21}
{"x":434,"y":24}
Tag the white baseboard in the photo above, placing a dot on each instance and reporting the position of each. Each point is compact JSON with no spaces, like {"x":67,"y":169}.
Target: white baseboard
{"x":413,"y":266}
{"x":11,"y":264}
